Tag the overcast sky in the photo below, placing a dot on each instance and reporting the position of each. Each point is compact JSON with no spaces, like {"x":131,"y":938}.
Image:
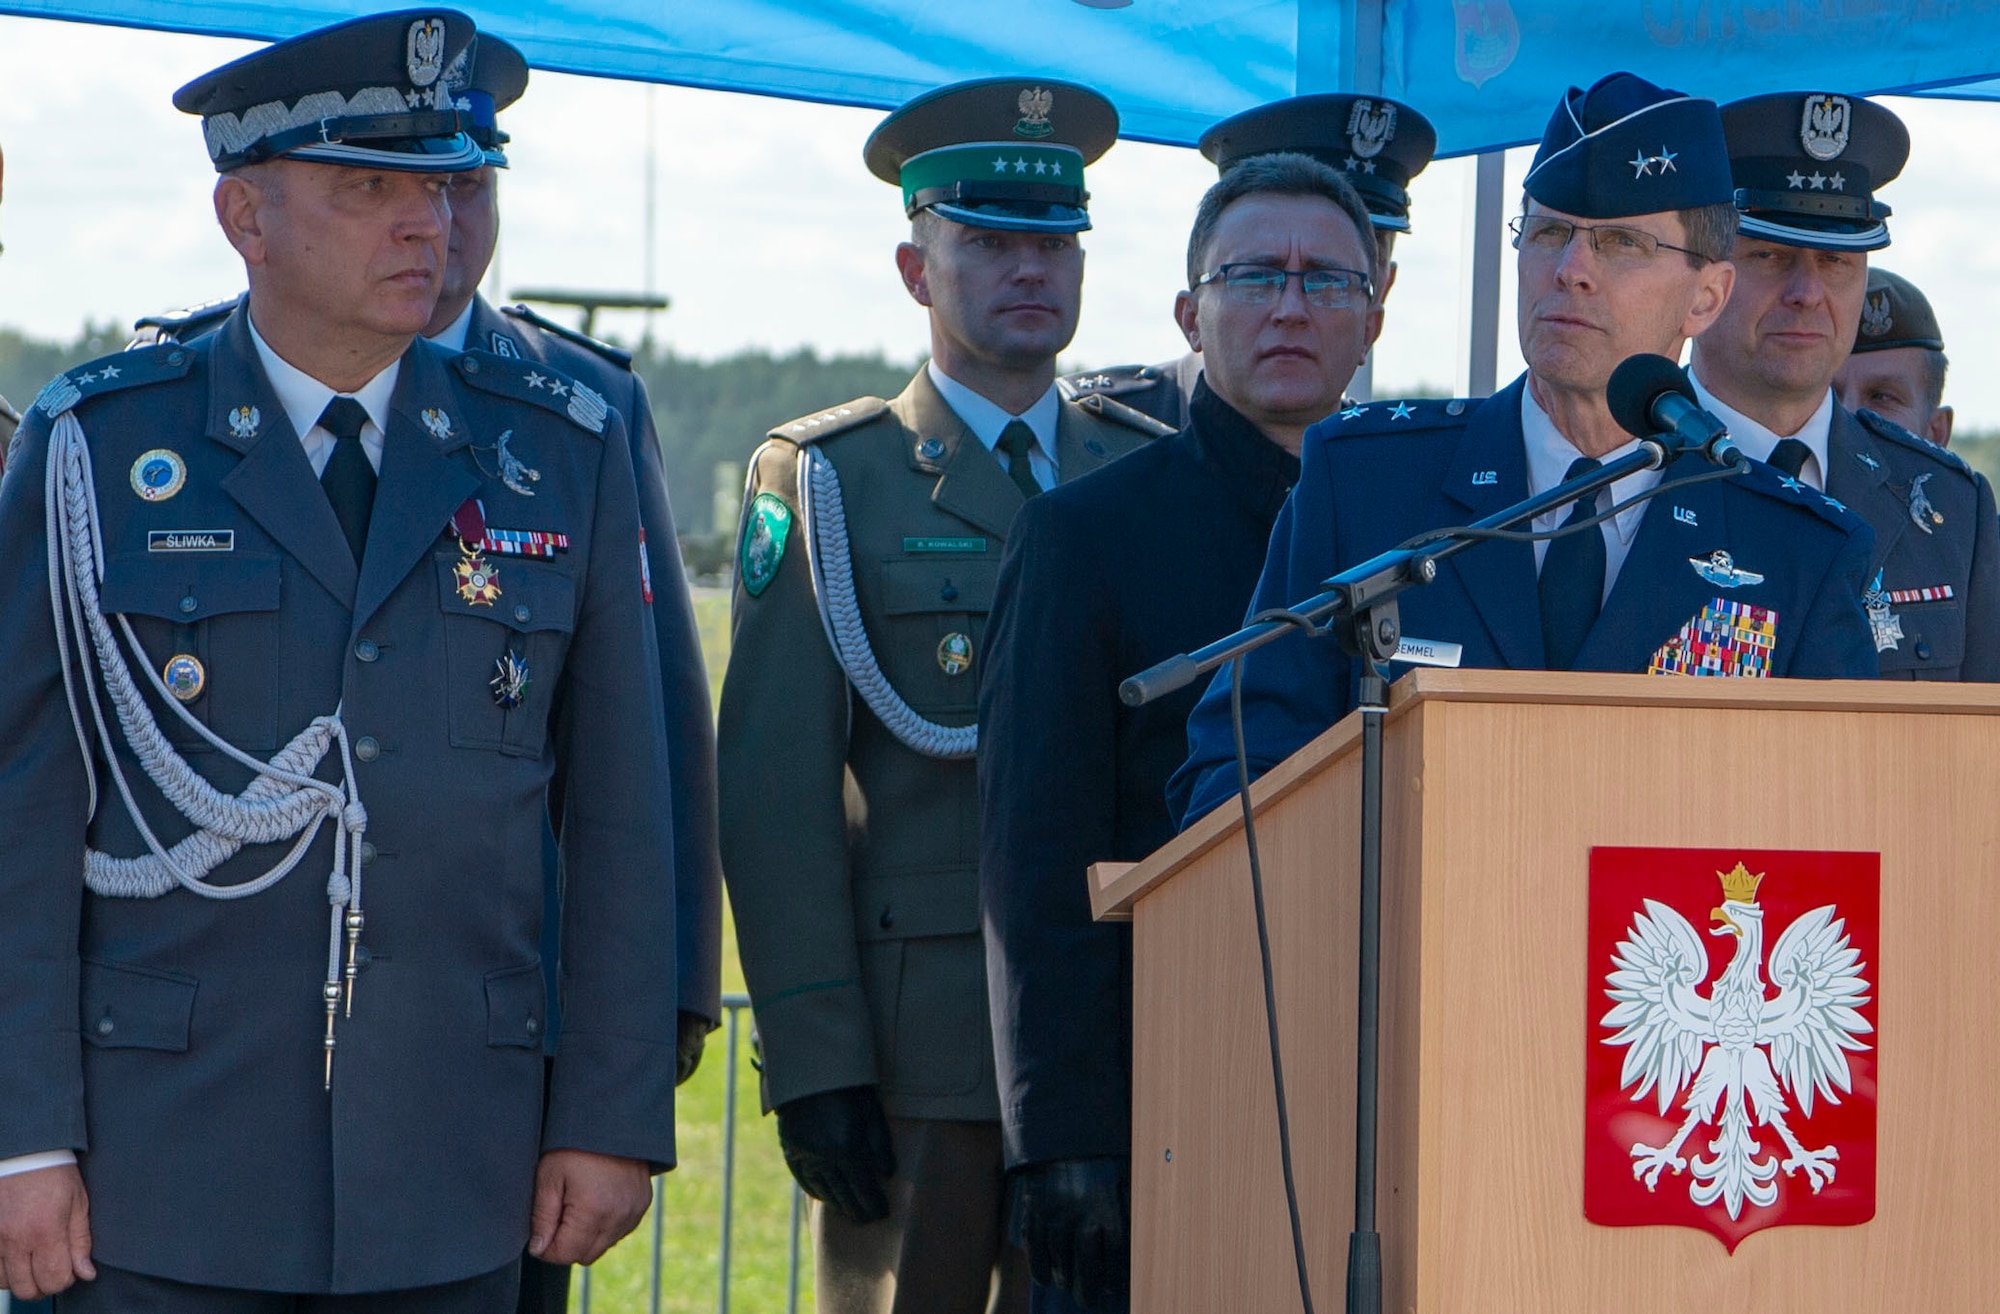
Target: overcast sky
{"x":769,"y":232}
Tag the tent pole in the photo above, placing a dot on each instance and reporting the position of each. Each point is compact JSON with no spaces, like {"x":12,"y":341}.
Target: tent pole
{"x":1480,"y":300}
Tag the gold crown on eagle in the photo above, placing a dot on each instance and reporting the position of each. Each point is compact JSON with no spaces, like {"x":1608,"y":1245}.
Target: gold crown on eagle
{"x":1740,"y":886}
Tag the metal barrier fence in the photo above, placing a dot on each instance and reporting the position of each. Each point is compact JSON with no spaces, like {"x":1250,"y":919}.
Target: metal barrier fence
{"x":733,"y":1009}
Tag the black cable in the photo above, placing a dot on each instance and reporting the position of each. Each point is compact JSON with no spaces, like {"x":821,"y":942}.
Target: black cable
{"x":1264,"y":957}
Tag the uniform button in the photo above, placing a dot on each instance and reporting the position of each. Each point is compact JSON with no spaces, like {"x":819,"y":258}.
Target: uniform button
{"x":367,"y":853}
{"x":105,"y":1026}
{"x":534,"y":1027}
{"x":1094,"y":447}
{"x":362,"y":958}
{"x":176,"y":357}
{"x":188,"y":604}
{"x":1923,"y":651}
{"x":366,"y":650}
{"x":1454,"y":407}
{"x":521,"y":612}
{"x":366,"y":749}
{"x":887,"y":919}
{"x":949,"y":592}
{"x":471,"y":366}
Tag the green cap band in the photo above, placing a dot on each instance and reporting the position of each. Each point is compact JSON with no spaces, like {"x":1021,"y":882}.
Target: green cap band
{"x":1050,"y":175}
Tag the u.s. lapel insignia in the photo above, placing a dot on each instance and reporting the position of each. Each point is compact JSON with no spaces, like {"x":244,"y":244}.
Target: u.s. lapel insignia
{"x":1727,"y":638}
{"x":512,"y":472}
{"x":478,"y":578}
{"x":1721,"y":570}
{"x":159,"y":474}
{"x":954,"y":653}
{"x":1485,"y":478}
{"x":510,"y":680}
{"x":1922,"y":513}
{"x":438,"y":424}
{"x":244,"y":422}
{"x":1886,"y":625}
{"x":1685,"y":516}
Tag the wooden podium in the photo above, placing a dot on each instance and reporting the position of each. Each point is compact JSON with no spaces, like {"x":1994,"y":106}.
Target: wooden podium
{"x":1496,"y":786}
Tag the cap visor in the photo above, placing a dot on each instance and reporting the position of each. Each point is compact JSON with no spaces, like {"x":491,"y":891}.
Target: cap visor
{"x":1018,"y":218}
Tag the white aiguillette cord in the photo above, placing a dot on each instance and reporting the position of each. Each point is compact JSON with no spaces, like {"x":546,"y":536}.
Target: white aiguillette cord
{"x":840,"y":615}
{"x":284,"y":801}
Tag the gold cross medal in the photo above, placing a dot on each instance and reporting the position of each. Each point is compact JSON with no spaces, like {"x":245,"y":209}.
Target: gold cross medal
{"x":478,"y":579}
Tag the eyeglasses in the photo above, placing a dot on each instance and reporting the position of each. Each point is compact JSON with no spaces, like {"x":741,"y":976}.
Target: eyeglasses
{"x":1615,"y":244}
{"x":1262,"y":285}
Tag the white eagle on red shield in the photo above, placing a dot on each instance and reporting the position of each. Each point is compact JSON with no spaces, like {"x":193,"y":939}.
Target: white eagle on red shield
{"x":1734,"y":1051}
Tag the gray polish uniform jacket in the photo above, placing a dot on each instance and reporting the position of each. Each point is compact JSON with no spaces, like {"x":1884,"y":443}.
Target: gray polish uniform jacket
{"x":175,"y":1042}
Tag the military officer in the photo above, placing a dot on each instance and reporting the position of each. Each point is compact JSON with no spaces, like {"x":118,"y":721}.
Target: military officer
{"x":871,"y":541}
{"x":1154,"y":555}
{"x":1807,"y":166}
{"x":347,"y":602}
{"x":1378,"y":143}
{"x":1898,"y":364}
{"x":1620,"y":254}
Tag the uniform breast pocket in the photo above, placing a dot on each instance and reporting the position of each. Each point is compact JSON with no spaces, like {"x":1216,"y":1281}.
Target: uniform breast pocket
{"x":936,"y":610}
{"x":502,"y":656}
{"x":1932,"y":644}
{"x":209,"y":627}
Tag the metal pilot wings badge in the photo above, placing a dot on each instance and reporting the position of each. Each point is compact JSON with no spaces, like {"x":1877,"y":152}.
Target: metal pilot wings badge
{"x":1729,"y":1081}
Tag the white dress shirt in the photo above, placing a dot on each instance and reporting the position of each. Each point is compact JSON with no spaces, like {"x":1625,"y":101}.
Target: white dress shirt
{"x":304,"y":397}
{"x":455,"y":333}
{"x":986,"y":420}
{"x":1549,"y":458}
{"x":1758,"y":441}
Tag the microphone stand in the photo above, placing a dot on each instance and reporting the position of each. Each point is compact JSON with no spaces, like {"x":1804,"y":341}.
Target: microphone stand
{"x":1359,"y":607}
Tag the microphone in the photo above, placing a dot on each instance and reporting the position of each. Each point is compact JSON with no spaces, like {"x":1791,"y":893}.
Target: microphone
{"x":1651,"y":397}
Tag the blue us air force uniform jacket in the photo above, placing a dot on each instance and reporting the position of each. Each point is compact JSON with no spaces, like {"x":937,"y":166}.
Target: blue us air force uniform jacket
{"x":174,"y":1043}
{"x":683,"y":678}
{"x":1376,"y":475}
{"x":1937,"y":549}
{"x":1154,"y":554}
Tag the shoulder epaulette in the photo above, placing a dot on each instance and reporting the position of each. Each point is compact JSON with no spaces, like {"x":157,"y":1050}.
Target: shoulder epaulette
{"x":616,"y":355}
{"x":1889,"y":431}
{"x":134,"y":368}
{"x":1117,"y":412}
{"x":1358,"y":418}
{"x":833,"y":420}
{"x":1786,"y":488}
{"x":1116,"y":381}
{"x":536,"y":383}
{"x":183,"y":325}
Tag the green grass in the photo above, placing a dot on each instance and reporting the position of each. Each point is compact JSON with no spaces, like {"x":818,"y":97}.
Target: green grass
{"x":621,"y":1282}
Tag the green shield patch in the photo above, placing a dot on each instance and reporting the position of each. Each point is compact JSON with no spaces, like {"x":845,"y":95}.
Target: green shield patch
{"x":765,"y":532}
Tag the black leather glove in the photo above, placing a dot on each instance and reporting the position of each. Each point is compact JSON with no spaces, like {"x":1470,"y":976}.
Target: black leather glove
{"x":688,"y":1042}
{"x":837,"y":1145}
{"x":1076,"y":1222}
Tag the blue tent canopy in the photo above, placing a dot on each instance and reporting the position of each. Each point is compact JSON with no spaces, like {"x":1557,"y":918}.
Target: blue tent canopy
{"x":1484,"y":71}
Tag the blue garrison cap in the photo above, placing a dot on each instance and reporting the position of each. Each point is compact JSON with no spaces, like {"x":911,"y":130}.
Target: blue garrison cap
{"x":1627,"y":147}
{"x":1807,"y":164}
{"x":382,"y":92}
{"x":499,"y":76}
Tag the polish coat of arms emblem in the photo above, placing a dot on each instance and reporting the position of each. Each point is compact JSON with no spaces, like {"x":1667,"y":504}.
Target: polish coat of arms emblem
{"x":1824,"y":124}
{"x":1876,"y":317}
{"x":1730,"y":1076}
{"x":1370,"y":127}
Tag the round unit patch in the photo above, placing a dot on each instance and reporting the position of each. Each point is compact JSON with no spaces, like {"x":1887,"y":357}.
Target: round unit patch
{"x":157,"y":475}
{"x":184,"y":676}
{"x":765,"y":531}
{"x":954,"y":654}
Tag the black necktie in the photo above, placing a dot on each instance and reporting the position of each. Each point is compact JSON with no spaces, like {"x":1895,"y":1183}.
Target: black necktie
{"x":1789,"y":456}
{"x":1572,"y":587}
{"x":349,"y":480}
{"x":1017,"y":440}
